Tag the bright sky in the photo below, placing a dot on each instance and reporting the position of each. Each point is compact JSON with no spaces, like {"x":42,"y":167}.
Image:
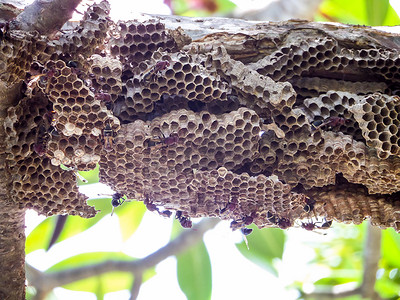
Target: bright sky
{"x":234,"y":277}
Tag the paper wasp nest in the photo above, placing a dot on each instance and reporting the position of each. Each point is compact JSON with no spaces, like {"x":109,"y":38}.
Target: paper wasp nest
{"x":295,"y":124}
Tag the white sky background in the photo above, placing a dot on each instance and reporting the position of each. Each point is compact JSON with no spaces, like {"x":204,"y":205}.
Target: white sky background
{"x":234,"y":277}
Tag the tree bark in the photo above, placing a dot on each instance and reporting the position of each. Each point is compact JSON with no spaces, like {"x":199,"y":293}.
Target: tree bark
{"x":46,"y":17}
{"x":12,"y":243}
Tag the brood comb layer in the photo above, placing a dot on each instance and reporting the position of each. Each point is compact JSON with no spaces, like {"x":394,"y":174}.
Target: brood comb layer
{"x":181,"y":76}
{"x":79,"y":118}
{"x":36,"y":183}
{"x":350,"y":203}
{"x":254,"y":140}
{"x":378,"y":116}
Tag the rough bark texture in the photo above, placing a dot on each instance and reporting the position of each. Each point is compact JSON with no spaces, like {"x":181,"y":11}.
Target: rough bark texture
{"x":12,"y":246}
{"x":45,"y":16}
{"x":12,"y":215}
{"x":12,"y":238}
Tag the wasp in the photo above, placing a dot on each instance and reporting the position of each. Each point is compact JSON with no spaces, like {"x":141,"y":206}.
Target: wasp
{"x":284,"y":223}
{"x":50,"y":120}
{"x":45,"y":130}
{"x":41,"y":80}
{"x":152,"y":207}
{"x":42,"y":137}
{"x":4,"y":28}
{"x":331,"y":122}
{"x":309,"y":205}
{"x":165,"y":213}
{"x":116,"y":200}
{"x":108,"y":138}
{"x":33,"y":82}
{"x":230,"y":207}
{"x":104,"y":97}
{"x":185,"y":221}
{"x":246,"y":231}
{"x":151,"y":72}
{"x":271,"y":217}
{"x":326,"y":224}
{"x":158,"y":142}
{"x":310,"y":225}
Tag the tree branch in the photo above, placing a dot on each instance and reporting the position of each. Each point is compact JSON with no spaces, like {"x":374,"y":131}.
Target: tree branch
{"x":45,"y":16}
{"x":137,"y":283}
{"x":48,"y":281}
{"x":332,"y":295}
{"x":8,"y":12}
{"x":372,"y":254}
{"x":12,"y":245}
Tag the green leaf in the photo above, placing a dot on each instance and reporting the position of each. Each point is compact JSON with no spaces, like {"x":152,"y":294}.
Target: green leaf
{"x":84,"y":259}
{"x":265,"y":245}
{"x":225,"y":6}
{"x":75,"y":224}
{"x":39,"y":237}
{"x":30,"y":292}
{"x":341,"y":276}
{"x":176,"y":229}
{"x":103,"y":283}
{"x":390,"y":248}
{"x":194,"y":272}
{"x":344,"y":11}
{"x":202,"y":8}
{"x":387,"y":288}
{"x":376,"y":11}
{"x":392,"y":18}
{"x":91,"y":176}
{"x":130,"y":215}
{"x":362,"y":12}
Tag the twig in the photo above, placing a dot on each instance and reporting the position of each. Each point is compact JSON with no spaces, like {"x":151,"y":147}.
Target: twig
{"x":46,"y":17}
{"x":372,"y":254}
{"x":48,"y":281}
{"x":137,"y":283}
{"x":332,"y":295}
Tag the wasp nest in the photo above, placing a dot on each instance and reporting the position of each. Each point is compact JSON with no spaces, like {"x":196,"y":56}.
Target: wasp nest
{"x":288,"y":130}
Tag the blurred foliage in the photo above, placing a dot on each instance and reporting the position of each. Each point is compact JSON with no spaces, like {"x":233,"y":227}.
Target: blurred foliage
{"x":129,"y":216}
{"x":91,"y":176}
{"x":388,"y":283}
{"x":360,"y":12}
{"x":342,"y":255}
{"x":342,"y":258}
{"x":194,"y":270}
{"x":200,"y":8}
{"x":103,"y":283}
{"x":265,"y":247}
